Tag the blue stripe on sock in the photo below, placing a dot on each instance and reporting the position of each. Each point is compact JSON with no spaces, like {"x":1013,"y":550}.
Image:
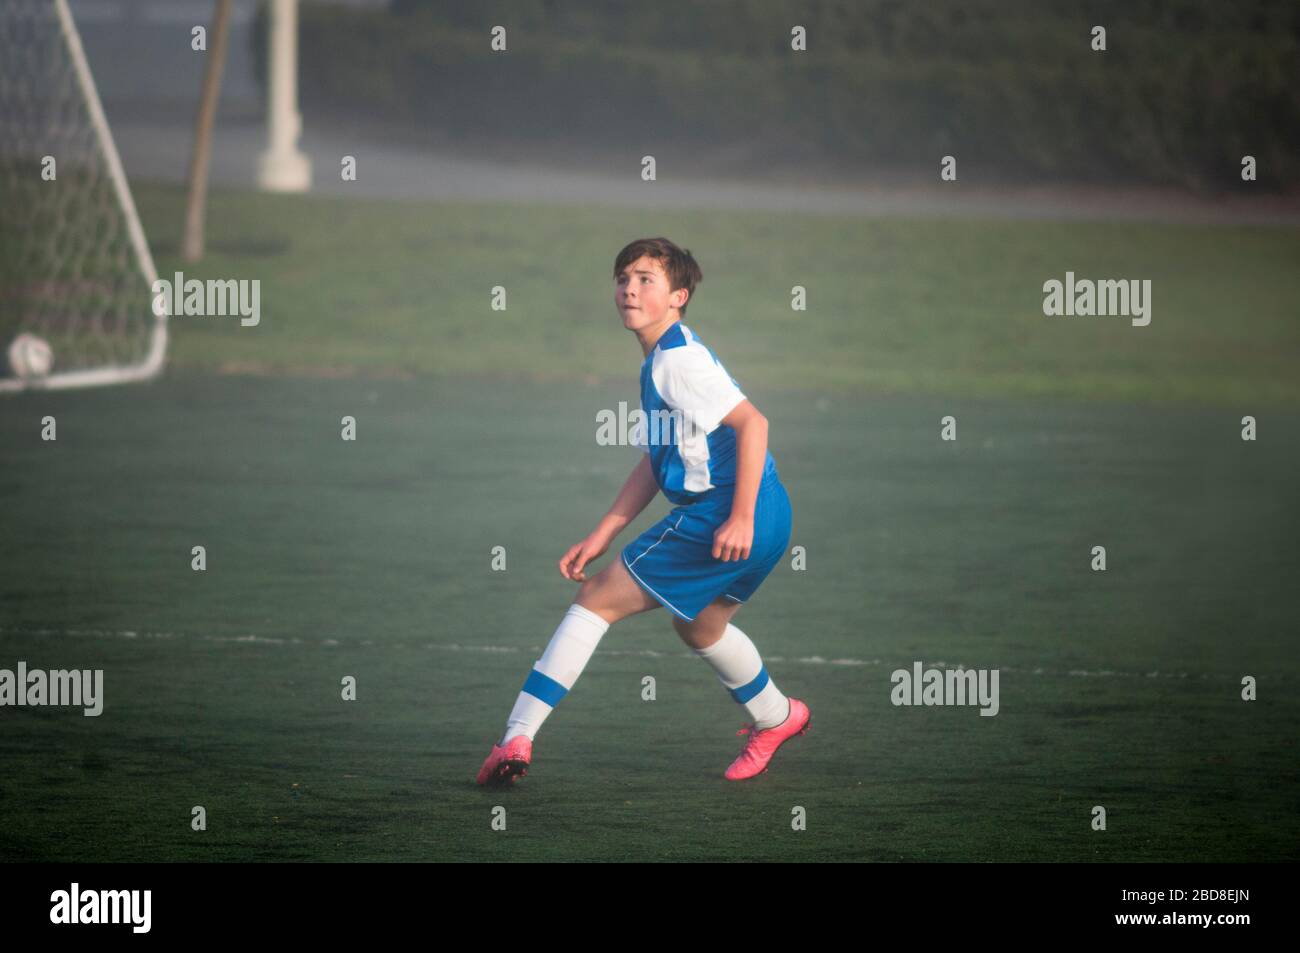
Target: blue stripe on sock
{"x":545,"y":688}
{"x":745,"y":692}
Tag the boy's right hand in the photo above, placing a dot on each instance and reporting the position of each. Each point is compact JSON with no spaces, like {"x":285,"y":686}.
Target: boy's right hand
{"x":580,"y":554}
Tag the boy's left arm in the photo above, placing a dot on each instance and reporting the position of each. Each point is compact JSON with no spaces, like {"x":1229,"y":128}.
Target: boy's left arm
{"x":733,"y":539}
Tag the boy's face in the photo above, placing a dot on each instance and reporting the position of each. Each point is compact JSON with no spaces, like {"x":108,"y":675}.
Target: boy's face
{"x":642,"y":295}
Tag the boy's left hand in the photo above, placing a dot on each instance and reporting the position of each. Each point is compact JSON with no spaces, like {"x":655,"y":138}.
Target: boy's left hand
{"x":733,"y":538}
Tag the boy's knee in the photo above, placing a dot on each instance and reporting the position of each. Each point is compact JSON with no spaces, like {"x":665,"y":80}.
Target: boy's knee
{"x":693,"y":633}
{"x":593,"y":594}
{"x":586,"y":591}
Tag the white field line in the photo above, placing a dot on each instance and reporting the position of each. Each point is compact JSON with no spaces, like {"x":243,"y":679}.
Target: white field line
{"x":536,"y":650}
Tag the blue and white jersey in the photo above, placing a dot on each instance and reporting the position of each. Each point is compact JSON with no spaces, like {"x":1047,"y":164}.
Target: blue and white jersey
{"x":685,"y":393}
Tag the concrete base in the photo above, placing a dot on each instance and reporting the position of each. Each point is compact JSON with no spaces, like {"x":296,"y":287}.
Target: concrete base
{"x":288,"y":171}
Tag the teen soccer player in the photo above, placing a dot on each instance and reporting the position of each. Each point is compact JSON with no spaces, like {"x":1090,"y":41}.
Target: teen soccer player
{"x":705,"y":447}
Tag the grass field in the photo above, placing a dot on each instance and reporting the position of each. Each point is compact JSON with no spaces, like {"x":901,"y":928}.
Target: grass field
{"x":475,"y":429}
{"x":894,"y":305}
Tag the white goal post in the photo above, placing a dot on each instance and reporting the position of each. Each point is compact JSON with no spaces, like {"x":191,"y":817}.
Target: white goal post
{"x":75,"y":269}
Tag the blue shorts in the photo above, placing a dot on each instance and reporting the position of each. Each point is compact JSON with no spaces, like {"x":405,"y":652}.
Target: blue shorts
{"x":673,"y":559}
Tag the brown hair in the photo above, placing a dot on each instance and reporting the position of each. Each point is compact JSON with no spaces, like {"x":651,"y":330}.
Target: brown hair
{"x":680,"y":266}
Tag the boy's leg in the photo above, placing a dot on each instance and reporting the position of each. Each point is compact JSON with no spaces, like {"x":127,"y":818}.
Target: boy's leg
{"x":708,"y":625}
{"x":613,"y":594}
{"x":736,"y":660}
{"x":733,"y":656}
{"x":602,"y":600}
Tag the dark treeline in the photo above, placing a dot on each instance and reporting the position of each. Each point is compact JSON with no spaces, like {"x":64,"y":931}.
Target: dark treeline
{"x":1014,"y":90}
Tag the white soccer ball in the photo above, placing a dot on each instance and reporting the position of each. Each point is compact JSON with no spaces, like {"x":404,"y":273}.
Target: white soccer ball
{"x":30,"y":356}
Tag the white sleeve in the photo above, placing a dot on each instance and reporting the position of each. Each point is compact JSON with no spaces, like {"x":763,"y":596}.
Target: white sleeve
{"x":690,"y":380}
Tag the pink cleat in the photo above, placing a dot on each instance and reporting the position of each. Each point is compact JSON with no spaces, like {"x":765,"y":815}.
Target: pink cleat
{"x":763,"y":742}
{"x":507,"y":762}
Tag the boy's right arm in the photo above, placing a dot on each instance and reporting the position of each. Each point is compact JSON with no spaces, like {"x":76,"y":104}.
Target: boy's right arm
{"x":638,"y":490}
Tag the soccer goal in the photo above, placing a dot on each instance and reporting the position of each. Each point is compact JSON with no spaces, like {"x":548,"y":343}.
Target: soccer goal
{"x":76,"y":276}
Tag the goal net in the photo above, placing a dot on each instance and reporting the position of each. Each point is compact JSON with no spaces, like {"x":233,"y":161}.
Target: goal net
{"x":75,"y":270}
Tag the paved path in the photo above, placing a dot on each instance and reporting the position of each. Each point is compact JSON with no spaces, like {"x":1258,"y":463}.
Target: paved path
{"x":160,"y":150}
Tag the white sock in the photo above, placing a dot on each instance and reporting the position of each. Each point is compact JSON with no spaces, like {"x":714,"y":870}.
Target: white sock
{"x":555,"y":672}
{"x":741,"y":670}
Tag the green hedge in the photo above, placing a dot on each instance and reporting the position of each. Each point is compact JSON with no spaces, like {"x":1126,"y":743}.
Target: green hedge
{"x":1012,"y":89}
